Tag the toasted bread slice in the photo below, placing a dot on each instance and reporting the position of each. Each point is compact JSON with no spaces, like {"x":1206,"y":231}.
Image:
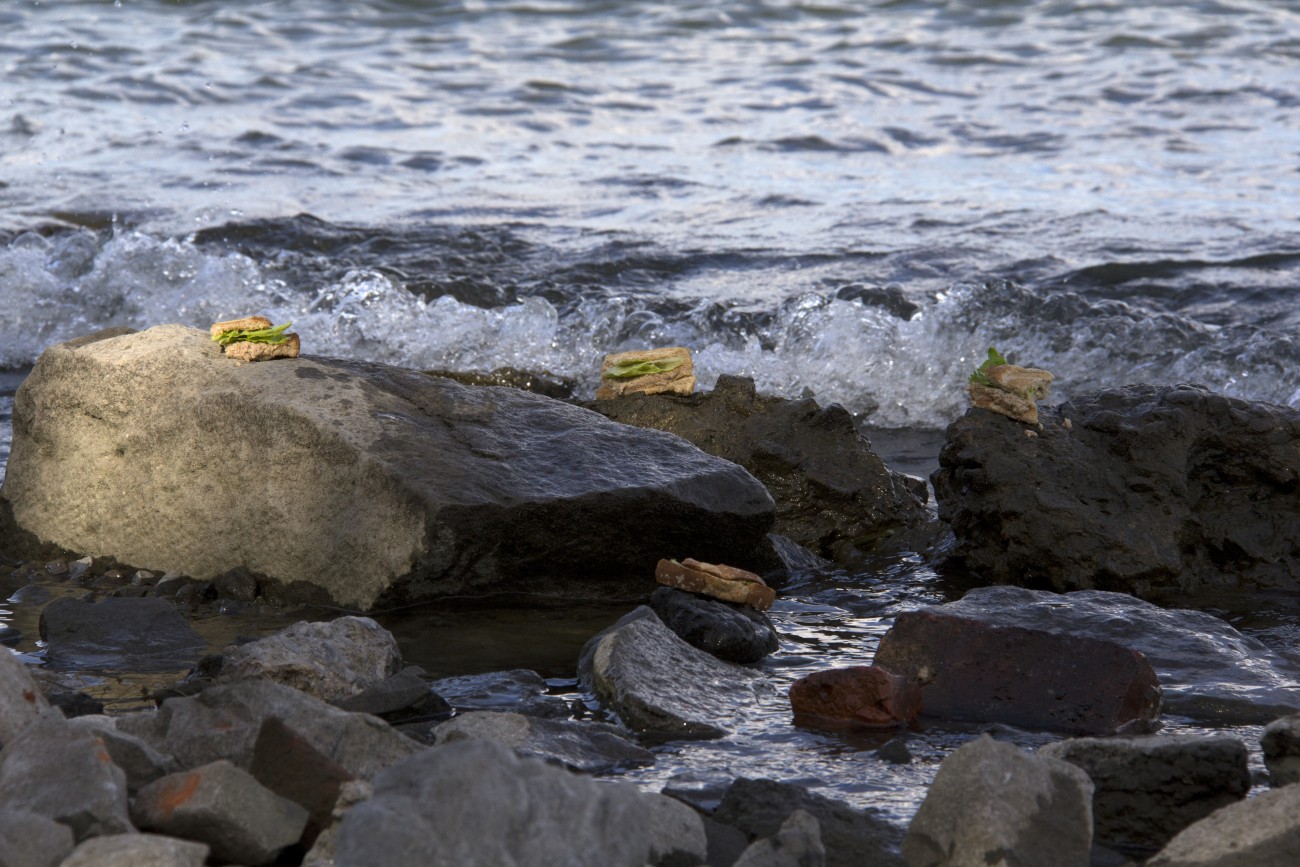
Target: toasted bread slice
{"x":248,"y":323}
{"x":264,"y":351}
{"x":721,"y":582}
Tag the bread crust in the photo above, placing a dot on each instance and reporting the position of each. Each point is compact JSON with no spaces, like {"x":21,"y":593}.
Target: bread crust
{"x":248,"y":323}
{"x":245,"y":351}
{"x":679,"y":380}
{"x":721,"y":582}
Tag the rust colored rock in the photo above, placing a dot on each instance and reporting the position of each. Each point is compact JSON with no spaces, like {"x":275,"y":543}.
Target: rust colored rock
{"x":719,"y":581}
{"x":861,"y":694}
{"x":982,"y":672}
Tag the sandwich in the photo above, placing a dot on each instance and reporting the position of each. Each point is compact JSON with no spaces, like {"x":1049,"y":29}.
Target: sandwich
{"x":254,"y":338}
{"x":719,"y":581}
{"x":647,"y":371}
{"x":1007,"y":388}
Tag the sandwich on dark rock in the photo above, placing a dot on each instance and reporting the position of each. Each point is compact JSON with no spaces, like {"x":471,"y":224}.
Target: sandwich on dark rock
{"x":647,"y":371}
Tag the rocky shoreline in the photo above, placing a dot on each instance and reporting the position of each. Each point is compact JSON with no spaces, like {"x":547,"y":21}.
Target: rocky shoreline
{"x":320,"y":744}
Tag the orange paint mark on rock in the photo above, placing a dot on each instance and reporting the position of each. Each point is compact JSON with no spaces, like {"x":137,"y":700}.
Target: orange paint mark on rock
{"x":29,"y":696}
{"x":175,"y":793}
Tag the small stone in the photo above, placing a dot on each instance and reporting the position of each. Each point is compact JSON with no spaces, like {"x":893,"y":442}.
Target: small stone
{"x":32,"y":840}
{"x":1031,"y":435}
{"x":78,"y":568}
{"x":57,"y":568}
{"x":226,"y":808}
{"x":1281,"y":744}
{"x":864,"y":695}
{"x":402,"y":690}
{"x":895,"y":751}
{"x":797,"y":844}
{"x":728,"y":630}
{"x":719,"y":581}
{"x":143,"y":578}
{"x":169,"y":584}
{"x":586,"y":747}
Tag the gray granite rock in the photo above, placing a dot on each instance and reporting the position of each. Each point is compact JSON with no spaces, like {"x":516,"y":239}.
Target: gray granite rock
{"x":64,"y":772}
{"x":518,"y":690}
{"x":330,"y":660}
{"x":797,"y":844}
{"x":1147,"y":789}
{"x":1263,"y":831}
{"x":676,"y":831}
{"x":376,"y":485}
{"x":476,"y":802}
{"x":32,"y":840}
{"x":660,"y":686}
{"x":20,"y":699}
{"x":992,"y":803}
{"x":223,"y":807}
{"x":141,"y":763}
{"x":137,"y":850}
{"x":1281,"y":744}
{"x":589,"y":747}
{"x":728,"y":630}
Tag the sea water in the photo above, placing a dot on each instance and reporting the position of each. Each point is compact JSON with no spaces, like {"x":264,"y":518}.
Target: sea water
{"x":848,"y":201}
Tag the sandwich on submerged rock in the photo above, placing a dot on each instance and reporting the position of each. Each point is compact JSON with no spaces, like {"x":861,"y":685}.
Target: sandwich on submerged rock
{"x":254,"y":338}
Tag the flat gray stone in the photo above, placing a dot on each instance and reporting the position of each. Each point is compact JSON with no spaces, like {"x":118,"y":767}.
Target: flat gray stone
{"x":992,"y":803}
{"x":136,"y":634}
{"x":376,"y":485}
{"x":518,"y":690}
{"x":331,"y":660}
{"x":1281,"y":745}
{"x":141,"y":763}
{"x":137,"y":850}
{"x":223,"y":807}
{"x":660,"y":686}
{"x":476,"y":802}
{"x":676,"y":831}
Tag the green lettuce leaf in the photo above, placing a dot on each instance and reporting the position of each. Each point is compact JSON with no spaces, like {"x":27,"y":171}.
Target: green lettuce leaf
{"x":634,"y":368}
{"x":995,"y":358}
{"x":261,"y":335}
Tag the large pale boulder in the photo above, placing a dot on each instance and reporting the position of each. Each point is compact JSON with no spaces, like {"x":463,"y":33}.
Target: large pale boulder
{"x":365,"y":483}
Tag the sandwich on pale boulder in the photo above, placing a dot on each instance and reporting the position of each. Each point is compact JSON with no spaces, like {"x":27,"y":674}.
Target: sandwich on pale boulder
{"x":721,"y":582}
{"x":1007,"y":388}
{"x":647,"y":371}
{"x":254,"y":338}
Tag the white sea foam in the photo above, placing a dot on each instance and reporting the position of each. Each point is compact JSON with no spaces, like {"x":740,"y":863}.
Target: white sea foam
{"x":901,"y":372}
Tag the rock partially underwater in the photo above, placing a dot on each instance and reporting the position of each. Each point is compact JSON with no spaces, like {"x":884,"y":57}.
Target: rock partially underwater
{"x":362,"y":483}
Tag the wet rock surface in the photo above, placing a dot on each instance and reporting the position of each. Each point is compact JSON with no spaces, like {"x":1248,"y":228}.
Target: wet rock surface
{"x":973,"y":670}
{"x":1207,"y":669}
{"x":518,"y":690}
{"x":865,"y":695}
{"x":1263,"y":831}
{"x":135,"y":634}
{"x":730,"y":631}
{"x":1147,"y":789}
{"x":1160,"y":491}
{"x":661,"y":687}
{"x":833,"y":494}
{"x":1281,"y":745}
{"x":992,"y":803}
{"x":30,"y":839}
{"x":588,"y":747}
{"x":451,"y":489}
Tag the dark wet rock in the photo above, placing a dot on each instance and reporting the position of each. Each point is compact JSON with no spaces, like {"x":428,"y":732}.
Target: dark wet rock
{"x":702,"y":789}
{"x":833,"y":494}
{"x":223,"y":807}
{"x":992,"y":803}
{"x":74,"y":703}
{"x":661,"y":687}
{"x":895,"y":751}
{"x":63,"y":772}
{"x":31,"y":594}
{"x":589,"y":747}
{"x":797,"y":844}
{"x":518,"y":690}
{"x":974,"y":670}
{"x":545,"y":383}
{"x":141,"y":763}
{"x":224,"y":722}
{"x":861,"y":695}
{"x":1263,"y":831}
{"x":130,"y":634}
{"x":476,"y":802}
{"x":728,"y":630}
{"x":170,"y":584}
{"x":10,"y":636}
{"x":1207,"y":669}
{"x":403,"y":690}
{"x":239,"y":584}
{"x":321,"y":853}
{"x":32,"y":840}
{"x":1281,"y":745}
{"x":21,"y":701}
{"x":138,"y":850}
{"x":450,"y":489}
{"x":677,"y":835}
{"x":330,"y":660}
{"x":1147,"y":789}
{"x":850,"y":837}
{"x":1159,"y":491}
{"x":726,"y":843}
{"x":289,"y":765}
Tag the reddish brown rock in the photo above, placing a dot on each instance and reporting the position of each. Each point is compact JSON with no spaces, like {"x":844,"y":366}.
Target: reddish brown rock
{"x":982,"y":672}
{"x":859,"y":695}
{"x":719,"y":581}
